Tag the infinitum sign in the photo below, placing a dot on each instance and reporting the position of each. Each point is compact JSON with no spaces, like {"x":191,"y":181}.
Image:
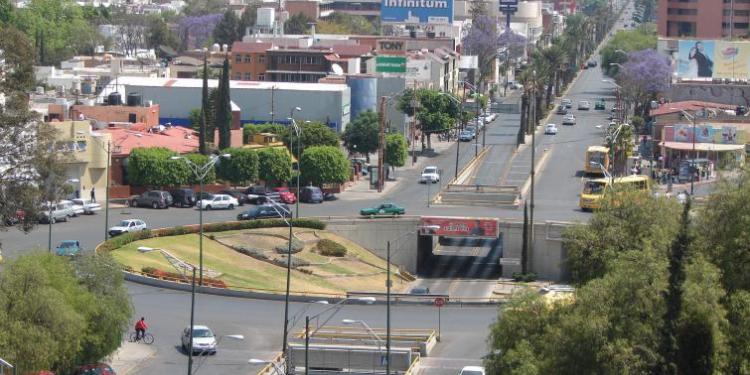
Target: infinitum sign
{"x":417,"y":11}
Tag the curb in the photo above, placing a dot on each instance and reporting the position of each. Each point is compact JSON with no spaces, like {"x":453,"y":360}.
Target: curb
{"x":540,"y":165}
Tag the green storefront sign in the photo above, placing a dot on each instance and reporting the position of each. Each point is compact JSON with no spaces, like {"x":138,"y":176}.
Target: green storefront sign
{"x":390,"y":64}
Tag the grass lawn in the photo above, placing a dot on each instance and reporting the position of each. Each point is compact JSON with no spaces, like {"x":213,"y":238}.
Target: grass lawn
{"x":240,"y":271}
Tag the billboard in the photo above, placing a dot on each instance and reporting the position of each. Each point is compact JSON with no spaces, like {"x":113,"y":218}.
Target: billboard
{"x":390,"y":64}
{"x":417,"y":11}
{"x":708,"y":59}
{"x":461,"y":227}
{"x":707,"y":133}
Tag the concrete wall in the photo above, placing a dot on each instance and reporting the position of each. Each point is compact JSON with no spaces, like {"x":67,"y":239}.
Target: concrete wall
{"x":350,"y":357}
{"x":548,"y":258}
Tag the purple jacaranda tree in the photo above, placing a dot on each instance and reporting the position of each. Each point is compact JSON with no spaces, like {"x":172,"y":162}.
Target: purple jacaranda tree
{"x":195,"y":31}
{"x":484,"y":41}
{"x":644,"y":75}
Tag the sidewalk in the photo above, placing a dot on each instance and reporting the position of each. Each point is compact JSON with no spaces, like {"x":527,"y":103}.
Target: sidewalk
{"x":130,"y":356}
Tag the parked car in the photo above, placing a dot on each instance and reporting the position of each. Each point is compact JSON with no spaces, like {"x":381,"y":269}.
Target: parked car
{"x":600,"y":105}
{"x":257,"y":194}
{"x":151,"y":198}
{"x":329,"y":197}
{"x":95,"y":369}
{"x":85,"y":206}
{"x":567,"y":103}
{"x":236,"y":194}
{"x":550,"y":129}
{"x":311,"y":194}
{"x":218,"y":201}
{"x":465,"y":136}
{"x":128,"y":226}
{"x":561,"y":110}
{"x":584,"y":105}
{"x":183,"y":197}
{"x":266,"y":211}
{"x":286,"y":195}
{"x":54,"y":212}
{"x":68,"y":248}
{"x":383,"y":209}
{"x":472,"y":130}
{"x":472,"y":370}
{"x":204,"y":340}
{"x":420,"y":290}
{"x":569,"y":120}
{"x":16,"y":218}
{"x":430,"y":174}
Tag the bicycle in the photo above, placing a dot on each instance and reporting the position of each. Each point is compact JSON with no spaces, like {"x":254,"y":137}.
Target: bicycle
{"x":147,"y":338}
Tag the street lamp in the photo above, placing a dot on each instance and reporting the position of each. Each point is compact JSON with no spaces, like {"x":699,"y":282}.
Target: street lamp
{"x":50,"y":204}
{"x":692,"y":162}
{"x":3,"y":363}
{"x":460,"y":111}
{"x":378,"y":340}
{"x":299,"y":170}
{"x":618,"y":89}
{"x":200,"y":172}
{"x":256,"y":361}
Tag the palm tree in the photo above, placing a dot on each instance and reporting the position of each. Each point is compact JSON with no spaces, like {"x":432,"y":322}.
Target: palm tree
{"x":524,"y":78}
{"x":555,"y":57}
{"x":543,"y":78}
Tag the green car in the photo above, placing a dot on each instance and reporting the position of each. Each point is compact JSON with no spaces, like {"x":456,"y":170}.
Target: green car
{"x":68,"y":248}
{"x":599,"y":105}
{"x":382,"y":209}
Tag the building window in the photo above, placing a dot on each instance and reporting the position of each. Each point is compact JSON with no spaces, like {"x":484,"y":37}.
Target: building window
{"x":248,"y":59}
{"x":238,"y":58}
{"x":248,"y":76}
{"x":238,"y":76}
{"x":261,"y":77}
{"x":682,"y":12}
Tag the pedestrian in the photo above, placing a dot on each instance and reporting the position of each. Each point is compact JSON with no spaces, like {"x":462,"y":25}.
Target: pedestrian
{"x":93,"y":195}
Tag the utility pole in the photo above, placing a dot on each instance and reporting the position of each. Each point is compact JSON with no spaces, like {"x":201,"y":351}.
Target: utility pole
{"x":458,"y":139}
{"x":381,"y":143}
{"x":533,"y":166}
{"x":273,"y":88}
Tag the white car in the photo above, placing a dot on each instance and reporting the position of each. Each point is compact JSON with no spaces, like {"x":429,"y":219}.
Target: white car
{"x":218,"y":201}
{"x":584,"y":105}
{"x":569,"y":120}
{"x":128,"y":226}
{"x":550,"y":129}
{"x":85,"y":207}
{"x":567,"y":103}
{"x":430,"y":174}
{"x":204,"y":340}
{"x":472,"y":370}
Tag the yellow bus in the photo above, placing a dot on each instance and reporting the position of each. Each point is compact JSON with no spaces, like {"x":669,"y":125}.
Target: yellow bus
{"x":596,"y":158}
{"x":594,"y":189}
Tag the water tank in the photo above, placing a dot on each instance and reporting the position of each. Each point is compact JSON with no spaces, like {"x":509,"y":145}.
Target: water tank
{"x":364,"y":94}
{"x":215,"y":47}
{"x":87,"y":87}
{"x":265,"y":17}
{"x":114,"y":98}
{"x":134,"y":99}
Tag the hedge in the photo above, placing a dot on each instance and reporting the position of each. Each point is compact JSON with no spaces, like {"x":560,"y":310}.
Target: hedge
{"x":124,"y":239}
{"x":330,"y":248}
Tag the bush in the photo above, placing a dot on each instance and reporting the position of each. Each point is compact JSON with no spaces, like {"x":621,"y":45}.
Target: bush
{"x":297,"y":246}
{"x":296,"y":262}
{"x":330,"y":248}
{"x":148,"y":270}
{"x":524,"y":277}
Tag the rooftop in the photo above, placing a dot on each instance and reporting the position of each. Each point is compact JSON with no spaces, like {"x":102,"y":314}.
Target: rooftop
{"x":122,"y":82}
{"x":175,"y":138}
{"x":688,"y":106}
{"x":251,"y":47}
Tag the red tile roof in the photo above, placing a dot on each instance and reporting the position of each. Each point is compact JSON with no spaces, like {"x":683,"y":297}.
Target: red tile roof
{"x":351,"y":50}
{"x":178,"y":139}
{"x":251,"y":47}
{"x":688,"y":105}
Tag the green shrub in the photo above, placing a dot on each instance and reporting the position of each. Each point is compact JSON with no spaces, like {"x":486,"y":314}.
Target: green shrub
{"x":297,"y":246}
{"x":330,"y":248}
{"x":148,"y":270}
{"x":524,"y":277}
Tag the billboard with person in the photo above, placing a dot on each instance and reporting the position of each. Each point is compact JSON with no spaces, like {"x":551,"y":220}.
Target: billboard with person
{"x":705,"y":133}
{"x":417,"y":11}
{"x":707,"y":59}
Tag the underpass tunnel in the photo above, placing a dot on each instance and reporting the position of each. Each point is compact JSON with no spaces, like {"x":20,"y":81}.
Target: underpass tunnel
{"x":447,"y":257}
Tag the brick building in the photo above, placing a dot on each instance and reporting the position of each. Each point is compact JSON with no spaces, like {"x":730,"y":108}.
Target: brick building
{"x":709,"y":19}
{"x":249,"y":61}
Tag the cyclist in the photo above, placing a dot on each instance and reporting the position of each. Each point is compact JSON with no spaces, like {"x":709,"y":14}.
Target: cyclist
{"x":140,"y":328}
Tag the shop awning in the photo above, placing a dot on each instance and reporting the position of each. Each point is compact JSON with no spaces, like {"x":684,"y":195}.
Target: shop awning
{"x":687,"y":146}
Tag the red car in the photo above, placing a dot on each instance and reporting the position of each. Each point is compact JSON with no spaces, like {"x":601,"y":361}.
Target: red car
{"x":95,"y":369}
{"x":285,"y":195}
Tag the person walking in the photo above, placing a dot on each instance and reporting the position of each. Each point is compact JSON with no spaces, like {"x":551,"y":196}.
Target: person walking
{"x":93,"y":195}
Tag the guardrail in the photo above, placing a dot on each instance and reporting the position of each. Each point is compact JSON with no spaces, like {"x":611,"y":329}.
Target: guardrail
{"x":481,"y":188}
{"x":414,"y":367}
{"x":268,"y":369}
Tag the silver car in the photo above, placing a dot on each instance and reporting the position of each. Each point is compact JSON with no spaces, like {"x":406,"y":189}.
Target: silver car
{"x":54,"y":212}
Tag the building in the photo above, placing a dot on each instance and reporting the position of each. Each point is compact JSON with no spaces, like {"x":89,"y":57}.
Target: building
{"x":87,"y":151}
{"x":298,"y":65}
{"x":315,"y":9}
{"x":705,"y":19}
{"x":257,"y":102}
{"x":249,"y":61}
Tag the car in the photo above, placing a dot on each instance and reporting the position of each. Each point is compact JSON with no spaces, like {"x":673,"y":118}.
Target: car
{"x":561,"y":110}
{"x":472,"y":370}
{"x":311,"y":194}
{"x":204,"y":340}
{"x":514,"y":85}
{"x":591,"y":63}
{"x":236,"y":194}
{"x":128,"y":226}
{"x":550,"y":129}
{"x":85,"y":206}
{"x":600,"y":105}
{"x":584,"y":105}
{"x":420,"y":290}
{"x":430,"y":174}
{"x":383,"y":209}
{"x":183,"y":197}
{"x":472,"y":130}
{"x":151,"y":198}
{"x":286,"y":195}
{"x":54,"y":212}
{"x":567,"y":103}
{"x":465,"y":136}
{"x":569,"y":120}
{"x":15,"y":218}
{"x":68,"y":248}
{"x":220,"y":201}
{"x":266,"y":211}
{"x":94,"y":369}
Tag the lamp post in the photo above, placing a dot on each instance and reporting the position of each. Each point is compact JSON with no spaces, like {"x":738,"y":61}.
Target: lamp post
{"x":200,"y":172}
{"x":620,"y":108}
{"x":533,"y":163}
{"x":50,"y":204}
{"x":378,"y":340}
{"x":299,"y":169}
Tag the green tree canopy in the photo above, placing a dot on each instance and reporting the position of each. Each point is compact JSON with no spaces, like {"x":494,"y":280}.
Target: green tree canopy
{"x":395,"y":150}
{"x":324,"y":164}
{"x":623,"y":42}
{"x":159,"y":34}
{"x":248,"y":19}
{"x":251,"y":129}
{"x":361,"y":135}
{"x":312,"y":134}
{"x":223,"y":111}
{"x":226,"y":30}
{"x":298,"y":24}
{"x":342,"y":23}
{"x":239,"y":169}
{"x":153,"y":167}
{"x":275,"y":165}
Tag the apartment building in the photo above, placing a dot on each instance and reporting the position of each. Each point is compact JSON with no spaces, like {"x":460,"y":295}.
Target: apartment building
{"x":705,"y":19}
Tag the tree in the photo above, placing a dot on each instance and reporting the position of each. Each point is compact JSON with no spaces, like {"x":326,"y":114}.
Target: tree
{"x":203,"y":7}
{"x":241,"y":168}
{"x":159,"y":34}
{"x":196,"y":31}
{"x":153,"y":167}
{"x":643,"y":76}
{"x":6,"y":12}
{"x":324,"y":165}
{"x":482,"y":41}
{"x":274,"y":165}
{"x":361,"y":136}
{"x":622,"y":43}
{"x":247,"y":20}
{"x":395,"y":150}
{"x":225,"y":31}
{"x":204,"y":111}
{"x":298,"y":24}
{"x":738,"y":331}
{"x":199,"y":160}
{"x":311,"y":134}
{"x":224,"y":108}
{"x":342,"y":23}
{"x":437,"y":113}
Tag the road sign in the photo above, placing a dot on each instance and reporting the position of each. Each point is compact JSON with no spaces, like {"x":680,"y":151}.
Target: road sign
{"x":510,"y":261}
{"x":508,"y":2}
{"x":508,"y":9}
{"x":390,"y":64}
{"x":439,"y":302}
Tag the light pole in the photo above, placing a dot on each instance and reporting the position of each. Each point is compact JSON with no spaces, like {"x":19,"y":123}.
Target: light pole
{"x":533,"y":163}
{"x":618,"y":93}
{"x":296,"y":130}
{"x":4,"y":363}
{"x":458,"y":140}
{"x":378,"y":340}
{"x":692,"y":162}
{"x":200,"y":172}
{"x":50,"y":204}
